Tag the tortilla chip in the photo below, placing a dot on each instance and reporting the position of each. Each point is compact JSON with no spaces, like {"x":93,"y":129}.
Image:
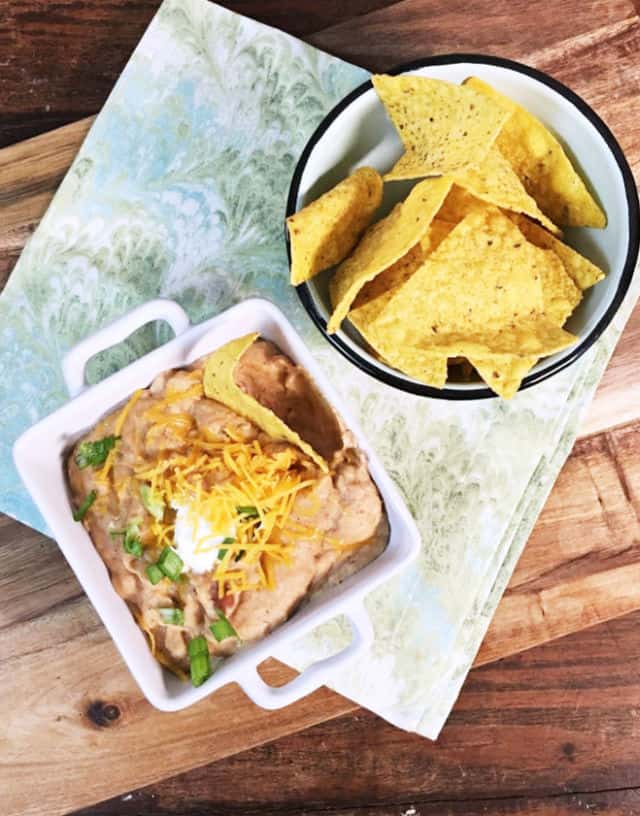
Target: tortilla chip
{"x":377,"y":293}
{"x":384,"y":243}
{"x":220,"y":385}
{"x":444,"y":128}
{"x":479,"y":293}
{"x":583,"y":273}
{"x":560,"y":296}
{"x":542,"y":165}
{"x":458,"y":204}
{"x":325,"y":231}
{"x":495,"y":182}
{"x":537,"y":336}
{"x":504,"y":375}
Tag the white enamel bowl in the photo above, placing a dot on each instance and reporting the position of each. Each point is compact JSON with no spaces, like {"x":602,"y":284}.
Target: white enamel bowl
{"x":357,"y":132}
{"x":40,"y":458}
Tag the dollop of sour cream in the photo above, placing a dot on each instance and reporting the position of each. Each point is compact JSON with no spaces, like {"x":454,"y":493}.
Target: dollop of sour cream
{"x":196,"y":542}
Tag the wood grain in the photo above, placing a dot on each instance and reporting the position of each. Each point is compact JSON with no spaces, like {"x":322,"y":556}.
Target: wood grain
{"x":521,"y":729}
{"x":552,"y":731}
{"x":59,"y":60}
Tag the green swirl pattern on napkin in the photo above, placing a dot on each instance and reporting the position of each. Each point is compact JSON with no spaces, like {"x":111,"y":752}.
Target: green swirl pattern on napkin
{"x":179,"y":190}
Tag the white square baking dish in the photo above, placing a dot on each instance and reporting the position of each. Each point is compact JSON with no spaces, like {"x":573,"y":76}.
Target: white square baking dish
{"x":40,"y":454}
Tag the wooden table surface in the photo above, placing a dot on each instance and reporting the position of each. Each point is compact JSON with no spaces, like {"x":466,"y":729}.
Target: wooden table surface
{"x":551,"y":731}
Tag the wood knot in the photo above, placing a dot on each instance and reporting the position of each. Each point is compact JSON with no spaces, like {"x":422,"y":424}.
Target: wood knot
{"x":569,"y":750}
{"x":103,"y":714}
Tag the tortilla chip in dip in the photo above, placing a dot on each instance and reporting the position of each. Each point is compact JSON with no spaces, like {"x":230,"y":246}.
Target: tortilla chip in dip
{"x":444,"y":128}
{"x":385,"y":243}
{"x":479,"y":293}
{"x":325,"y":231}
{"x":542,"y":165}
{"x":495,"y":182}
{"x":219,"y":384}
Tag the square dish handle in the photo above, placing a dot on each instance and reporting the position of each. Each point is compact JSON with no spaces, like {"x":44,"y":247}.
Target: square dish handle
{"x":316,"y":675}
{"x":76,"y":359}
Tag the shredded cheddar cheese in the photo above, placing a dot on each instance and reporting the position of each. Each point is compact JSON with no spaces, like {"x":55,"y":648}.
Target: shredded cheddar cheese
{"x":214,"y":480}
{"x":117,"y":430}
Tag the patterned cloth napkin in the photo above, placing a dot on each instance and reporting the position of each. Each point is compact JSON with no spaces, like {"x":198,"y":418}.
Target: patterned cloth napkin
{"x":179,"y":191}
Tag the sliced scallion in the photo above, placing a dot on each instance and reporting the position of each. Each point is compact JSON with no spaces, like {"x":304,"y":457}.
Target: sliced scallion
{"x":170,"y":563}
{"x":224,"y":550}
{"x":95,"y":453}
{"x":200,"y":662}
{"x":154,"y":573}
{"x":153,"y":504}
{"x":200,"y":669}
{"x":131,"y":542}
{"x":198,"y":646}
{"x":222,"y":628}
{"x":248,"y":511}
{"x":81,"y":512}
{"x":172,"y":615}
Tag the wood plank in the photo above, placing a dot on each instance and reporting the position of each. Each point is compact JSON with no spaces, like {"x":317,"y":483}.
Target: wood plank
{"x":612,"y":802}
{"x":581,"y":564}
{"x":571,"y":576}
{"x":64,"y":685}
{"x":50,"y":75}
{"x":541,"y":733}
{"x":74,"y":692}
{"x":412,"y":29}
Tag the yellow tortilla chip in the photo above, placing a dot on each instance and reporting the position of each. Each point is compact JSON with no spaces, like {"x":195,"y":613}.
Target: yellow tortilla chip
{"x":479,"y":293}
{"x":542,"y":165}
{"x":583,"y":273}
{"x":376,"y":294}
{"x":495,"y":182}
{"x":559,"y":292}
{"x":536,"y":336}
{"x":444,"y":128}
{"x":560,"y":297}
{"x":426,"y":367}
{"x":504,"y":375}
{"x":384,"y":243}
{"x":325,"y":231}
{"x":458,"y":204}
{"x":220,"y":385}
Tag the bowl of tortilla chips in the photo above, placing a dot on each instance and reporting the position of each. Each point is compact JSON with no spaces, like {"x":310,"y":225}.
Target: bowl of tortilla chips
{"x":462,"y":227}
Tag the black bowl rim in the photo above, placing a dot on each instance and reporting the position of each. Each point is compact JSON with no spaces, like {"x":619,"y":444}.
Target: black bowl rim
{"x":633,"y":207}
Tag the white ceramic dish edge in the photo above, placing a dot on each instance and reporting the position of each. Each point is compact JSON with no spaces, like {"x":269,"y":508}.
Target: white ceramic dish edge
{"x":39,"y":457}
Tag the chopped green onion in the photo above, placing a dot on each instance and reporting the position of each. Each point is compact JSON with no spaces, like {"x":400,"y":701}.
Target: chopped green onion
{"x":200,"y":662}
{"x":240,"y":555}
{"x":172,"y":615}
{"x":154,"y":574}
{"x":198,"y":646}
{"x":222,"y":627}
{"x":81,"y":512}
{"x":153,"y":504}
{"x":224,"y":550}
{"x":131,"y":542}
{"x":95,"y":453}
{"x":200,"y":667}
{"x":170,"y":563}
{"x":248,"y":510}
